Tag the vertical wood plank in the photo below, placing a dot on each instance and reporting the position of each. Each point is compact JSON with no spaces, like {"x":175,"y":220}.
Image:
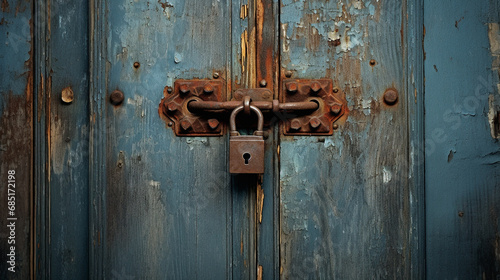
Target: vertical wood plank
{"x":345,"y":199}
{"x":161,"y":207}
{"x":462,"y":155}
{"x":16,"y":139}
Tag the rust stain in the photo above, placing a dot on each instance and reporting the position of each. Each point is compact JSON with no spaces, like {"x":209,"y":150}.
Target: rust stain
{"x":165,"y":5}
{"x":48,"y":123}
{"x":5,"y":6}
{"x":457,"y":22}
{"x":241,"y":244}
{"x":260,"y":202}
{"x":48,"y":21}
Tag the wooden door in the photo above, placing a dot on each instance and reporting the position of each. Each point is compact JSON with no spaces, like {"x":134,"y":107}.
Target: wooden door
{"x":106,"y":190}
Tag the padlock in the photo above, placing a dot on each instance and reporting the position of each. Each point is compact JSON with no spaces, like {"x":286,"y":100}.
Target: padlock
{"x":246,"y":152}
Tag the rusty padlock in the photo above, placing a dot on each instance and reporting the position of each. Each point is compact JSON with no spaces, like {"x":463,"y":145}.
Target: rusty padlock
{"x":246,"y":152}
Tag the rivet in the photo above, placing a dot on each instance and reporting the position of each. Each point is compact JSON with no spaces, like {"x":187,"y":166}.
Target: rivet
{"x":185,"y":124}
{"x":170,"y":123}
{"x":315,"y":87}
{"x":288,"y":74}
{"x":67,"y":95}
{"x":335,"y":126}
{"x":137,"y":65}
{"x":116,"y":97}
{"x":291,"y":87}
{"x":314,"y":122}
{"x":213,"y":123}
{"x":295,"y":124}
{"x":184,"y":88}
{"x":172,"y":107}
{"x":373,"y":62}
{"x":390,"y":96}
{"x":216,"y":75}
{"x":208,"y":88}
{"x":167,"y":89}
{"x":335,"y":90}
{"x":336,"y":108}
{"x":263,"y":83}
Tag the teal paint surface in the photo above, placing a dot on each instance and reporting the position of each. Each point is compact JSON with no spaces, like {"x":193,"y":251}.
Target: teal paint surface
{"x":462,"y":158}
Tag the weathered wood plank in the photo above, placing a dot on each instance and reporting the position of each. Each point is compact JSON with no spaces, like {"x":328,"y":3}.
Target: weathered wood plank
{"x":345,"y":199}
{"x":462,"y":157}
{"x":164,"y":198}
{"x":16,"y":138}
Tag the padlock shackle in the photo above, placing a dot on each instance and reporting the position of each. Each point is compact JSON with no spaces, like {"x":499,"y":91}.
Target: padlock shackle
{"x":260,"y":124}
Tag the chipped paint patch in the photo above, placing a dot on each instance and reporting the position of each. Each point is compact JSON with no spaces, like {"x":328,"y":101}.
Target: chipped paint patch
{"x":386,"y":175}
{"x":493,"y":101}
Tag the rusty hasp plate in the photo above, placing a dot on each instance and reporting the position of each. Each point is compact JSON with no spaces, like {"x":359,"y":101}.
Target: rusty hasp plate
{"x":331,"y":101}
{"x":184,"y":122}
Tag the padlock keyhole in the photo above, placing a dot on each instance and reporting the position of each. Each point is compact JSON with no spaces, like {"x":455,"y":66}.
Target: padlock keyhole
{"x":246,"y":157}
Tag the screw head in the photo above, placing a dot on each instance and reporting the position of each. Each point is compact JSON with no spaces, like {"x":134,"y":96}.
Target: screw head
{"x":314,"y":123}
{"x":288,"y":74}
{"x":116,"y":97}
{"x":213,"y":123}
{"x":208,"y":88}
{"x":67,"y":95}
{"x":184,"y":88}
{"x":291,"y":87}
{"x":315,"y":87}
{"x":186,"y":125}
{"x":216,"y":75}
{"x":336,"y":108}
{"x":295,"y":124}
{"x":390,"y":96}
{"x":263,"y":83}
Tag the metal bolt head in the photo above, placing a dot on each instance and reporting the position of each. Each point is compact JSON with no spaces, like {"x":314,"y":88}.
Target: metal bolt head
{"x":213,"y":123}
{"x":315,"y":87}
{"x":184,"y":88}
{"x":172,"y":107}
{"x":263,"y":83}
{"x":167,"y":90}
{"x":335,"y":126}
{"x":291,"y":87}
{"x":336,"y":108}
{"x":208,"y":88}
{"x":170,"y":123}
{"x":216,"y":75}
{"x":390,"y":96}
{"x":295,"y":124}
{"x":288,"y":74}
{"x":116,"y":97}
{"x":335,"y":90}
{"x":314,"y":123}
{"x":67,"y":95}
{"x":186,"y":125}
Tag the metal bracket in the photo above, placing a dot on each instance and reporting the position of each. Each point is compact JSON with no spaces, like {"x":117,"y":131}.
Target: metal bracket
{"x":175,"y":107}
{"x":331,"y":101}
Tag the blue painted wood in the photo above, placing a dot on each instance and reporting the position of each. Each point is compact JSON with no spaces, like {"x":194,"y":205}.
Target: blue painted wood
{"x":462,"y":157}
{"x":347,"y":200}
{"x":16,"y":136}
{"x":68,"y":138}
{"x":161,"y":203}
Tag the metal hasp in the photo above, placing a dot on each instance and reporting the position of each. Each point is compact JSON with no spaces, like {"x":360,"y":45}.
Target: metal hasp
{"x":331,"y":106}
{"x":246,"y":152}
{"x":174,"y":107}
{"x":306,"y":107}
